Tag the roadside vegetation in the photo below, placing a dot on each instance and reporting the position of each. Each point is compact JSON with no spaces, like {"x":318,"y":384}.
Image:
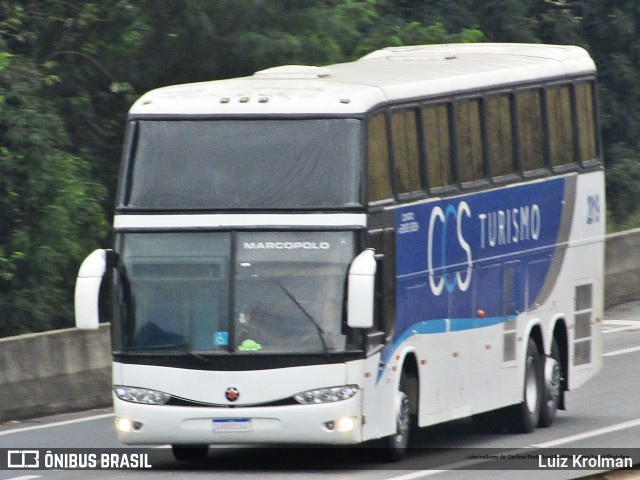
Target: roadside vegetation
{"x":70,"y":69}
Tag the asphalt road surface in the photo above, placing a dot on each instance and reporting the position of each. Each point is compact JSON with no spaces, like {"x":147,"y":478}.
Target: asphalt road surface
{"x":602,"y":416}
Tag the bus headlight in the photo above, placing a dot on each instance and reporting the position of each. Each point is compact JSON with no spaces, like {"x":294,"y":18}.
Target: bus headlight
{"x":141,"y":395}
{"x":326,"y":395}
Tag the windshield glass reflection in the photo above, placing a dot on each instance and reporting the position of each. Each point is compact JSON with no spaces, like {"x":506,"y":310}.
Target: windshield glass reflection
{"x":257,"y":164}
{"x":289,"y":291}
{"x":173,"y":292}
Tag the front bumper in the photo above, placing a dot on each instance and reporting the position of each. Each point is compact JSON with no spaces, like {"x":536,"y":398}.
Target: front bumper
{"x":290,"y":424}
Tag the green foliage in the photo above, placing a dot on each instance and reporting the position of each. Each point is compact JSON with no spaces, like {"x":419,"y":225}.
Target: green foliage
{"x":69,"y":70}
{"x":623,"y":186}
{"x":50,"y":212}
{"x":506,"y":20}
{"x":611,"y":31}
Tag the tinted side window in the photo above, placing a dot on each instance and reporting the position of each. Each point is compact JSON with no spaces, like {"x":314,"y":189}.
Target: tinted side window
{"x":468,"y":140}
{"x":499,"y":135}
{"x":560,"y":128}
{"x":530,"y":132}
{"x":378,"y":161}
{"x":406,"y":156}
{"x":586,"y":122}
{"x":438,"y":145}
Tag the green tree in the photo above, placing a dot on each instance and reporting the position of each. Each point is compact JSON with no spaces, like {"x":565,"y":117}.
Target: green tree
{"x":612,"y":33}
{"x":84,"y":51}
{"x":623,"y":185}
{"x":506,"y":20}
{"x":50,"y":213}
{"x":69,"y":70}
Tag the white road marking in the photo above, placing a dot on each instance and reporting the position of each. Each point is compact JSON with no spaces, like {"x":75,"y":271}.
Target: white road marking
{"x":591,"y":433}
{"x":56,"y":424}
{"x":424,"y":473}
{"x":611,"y":326}
{"x":25,"y":477}
{"x":621,"y":322}
{"x":552,"y":443}
{"x":621,"y":329}
{"x":615,"y":353}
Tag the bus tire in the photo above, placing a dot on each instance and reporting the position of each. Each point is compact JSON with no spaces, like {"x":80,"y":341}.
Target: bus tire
{"x":552,"y":386}
{"x":190,"y":453}
{"x":395,"y":446}
{"x":526,"y":414}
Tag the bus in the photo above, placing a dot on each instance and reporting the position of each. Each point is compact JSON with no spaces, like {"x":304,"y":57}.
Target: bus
{"x":338,"y":255}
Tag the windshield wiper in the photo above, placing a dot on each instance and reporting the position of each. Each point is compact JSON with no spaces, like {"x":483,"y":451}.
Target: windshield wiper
{"x":178,"y":346}
{"x":314,"y":322}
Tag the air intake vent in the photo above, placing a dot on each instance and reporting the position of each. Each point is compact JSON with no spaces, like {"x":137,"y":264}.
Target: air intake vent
{"x":293,"y":71}
{"x":583,"y":330}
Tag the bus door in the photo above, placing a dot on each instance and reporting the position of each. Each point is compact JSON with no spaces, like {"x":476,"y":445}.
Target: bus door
{"x":376,"y":390}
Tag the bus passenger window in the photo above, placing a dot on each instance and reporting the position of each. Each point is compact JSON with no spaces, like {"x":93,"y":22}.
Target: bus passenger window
{"x":560,"y":128}
{"x":586,"y":122}
{"x":438,"y":145}
{"x":530,"y":133}
{"x":406,"y":156}
{"x":378,"y":161}
{"x":499,"y":135}
{"x":468,"y":140}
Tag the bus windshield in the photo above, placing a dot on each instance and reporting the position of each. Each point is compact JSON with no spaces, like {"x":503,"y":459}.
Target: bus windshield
{"x":244,"y":293}
{"x":244,"y":164}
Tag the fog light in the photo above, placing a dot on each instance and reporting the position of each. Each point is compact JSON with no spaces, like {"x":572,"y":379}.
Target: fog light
{"x":126,"y":425}
{"x":330,"y":425}
{"x":345,"y":424}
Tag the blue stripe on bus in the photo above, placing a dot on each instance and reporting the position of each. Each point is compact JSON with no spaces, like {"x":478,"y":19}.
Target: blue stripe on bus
{"x":430,"y":327}
{"x":470,"y":258}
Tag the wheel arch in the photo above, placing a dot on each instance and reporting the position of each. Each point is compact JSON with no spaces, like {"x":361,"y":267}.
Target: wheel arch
{"x":535,"y":333}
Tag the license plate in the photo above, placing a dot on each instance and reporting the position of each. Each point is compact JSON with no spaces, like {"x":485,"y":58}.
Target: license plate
{"x":231,"y":424}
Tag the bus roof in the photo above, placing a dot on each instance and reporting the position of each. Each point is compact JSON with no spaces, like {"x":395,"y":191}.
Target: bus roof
{"x":390,"y":74}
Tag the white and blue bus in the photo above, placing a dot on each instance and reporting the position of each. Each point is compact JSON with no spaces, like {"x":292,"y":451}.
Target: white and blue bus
{"x":335,"y":255}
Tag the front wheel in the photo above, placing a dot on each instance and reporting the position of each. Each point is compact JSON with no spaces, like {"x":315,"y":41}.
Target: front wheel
{"x":526,"y":415}
{"x":395,"y":446}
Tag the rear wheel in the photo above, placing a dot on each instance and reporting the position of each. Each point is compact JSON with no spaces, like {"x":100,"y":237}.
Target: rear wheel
{"x":526,"y":414}
{"x":190,"y":453}
{"x":552,"y":386}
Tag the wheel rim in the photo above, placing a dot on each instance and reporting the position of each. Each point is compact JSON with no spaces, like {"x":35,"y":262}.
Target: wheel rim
{"x":553,"y":380}
{"x":531,"y":387}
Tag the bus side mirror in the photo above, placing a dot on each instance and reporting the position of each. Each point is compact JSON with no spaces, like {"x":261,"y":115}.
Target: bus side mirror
{"x":361,"y":290}
{"x":87,"y":290}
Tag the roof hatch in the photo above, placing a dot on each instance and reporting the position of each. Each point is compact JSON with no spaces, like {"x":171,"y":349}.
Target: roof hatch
{"x":294,"y":71}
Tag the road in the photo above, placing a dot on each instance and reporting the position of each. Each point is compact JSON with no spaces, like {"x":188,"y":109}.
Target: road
{"x":603,"y":414}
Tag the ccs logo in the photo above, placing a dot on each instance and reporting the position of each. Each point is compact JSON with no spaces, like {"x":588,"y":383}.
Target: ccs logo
{"x":437,"y":248}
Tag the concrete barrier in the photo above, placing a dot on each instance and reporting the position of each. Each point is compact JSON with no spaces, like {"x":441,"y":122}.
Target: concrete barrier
{"x":54,"y":372}
{"x":66,"y":370}
{"x":622,"y":267}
